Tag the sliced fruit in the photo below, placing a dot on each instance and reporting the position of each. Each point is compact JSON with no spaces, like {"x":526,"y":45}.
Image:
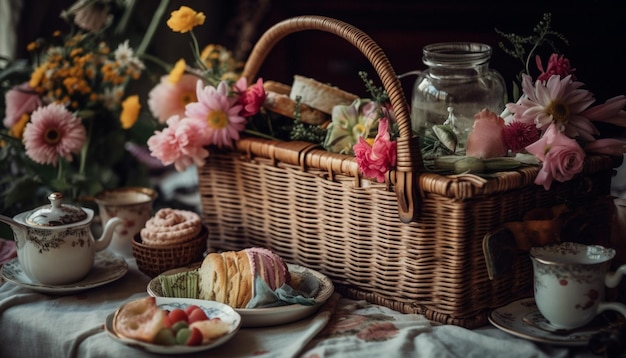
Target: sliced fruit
{"x":211,"y":329}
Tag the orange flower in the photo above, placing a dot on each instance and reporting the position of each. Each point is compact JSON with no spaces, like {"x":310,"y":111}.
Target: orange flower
{"x":185,"y":19}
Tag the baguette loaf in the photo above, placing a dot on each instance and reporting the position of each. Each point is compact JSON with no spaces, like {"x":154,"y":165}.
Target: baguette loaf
{"x":319,"y":95}
{"x":228,"y":277}
{"x":278,"y":101}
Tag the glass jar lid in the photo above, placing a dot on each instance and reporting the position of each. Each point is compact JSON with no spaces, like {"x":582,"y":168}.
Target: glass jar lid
{"x":456,"y":54}
{"x":56,"y":213}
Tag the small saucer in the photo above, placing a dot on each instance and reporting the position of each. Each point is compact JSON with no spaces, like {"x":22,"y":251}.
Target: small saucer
{"x":523,"y":319}
{"x":107,"y":268}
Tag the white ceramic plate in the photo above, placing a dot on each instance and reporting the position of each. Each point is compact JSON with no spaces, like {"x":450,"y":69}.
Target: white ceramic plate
{"x":107,"y":267}
{"x":212,"y":310}
{"x":523,"y":319}
{"x":271,"y":316}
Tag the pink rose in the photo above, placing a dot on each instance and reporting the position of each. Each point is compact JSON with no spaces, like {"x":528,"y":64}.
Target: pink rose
{"x":487,"y":137}
{"x":562,"y":157}
{"x":374,"y":161}
{"x":251,"y":98}
{"x":20,"y":100}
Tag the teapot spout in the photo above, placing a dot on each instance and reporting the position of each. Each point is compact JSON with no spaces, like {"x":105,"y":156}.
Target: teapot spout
{"x":107,"y":234}
{"x":19,"y":231}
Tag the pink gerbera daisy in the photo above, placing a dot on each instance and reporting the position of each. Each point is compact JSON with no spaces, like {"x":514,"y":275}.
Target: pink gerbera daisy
{"x":52,"y":133}
{"x":219,"y":113}
{"x":167,"y":99}
{"x":559,"y":101}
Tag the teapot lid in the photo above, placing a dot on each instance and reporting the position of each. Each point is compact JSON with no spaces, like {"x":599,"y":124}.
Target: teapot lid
{"x":56,"y":214}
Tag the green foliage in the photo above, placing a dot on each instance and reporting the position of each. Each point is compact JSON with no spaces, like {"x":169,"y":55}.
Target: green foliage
{"x":303,"y":131}
{"x":378,"y":94}
{"x":524,"y":48}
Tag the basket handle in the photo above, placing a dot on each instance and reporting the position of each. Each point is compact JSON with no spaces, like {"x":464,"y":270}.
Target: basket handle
{"x":409,"y":157}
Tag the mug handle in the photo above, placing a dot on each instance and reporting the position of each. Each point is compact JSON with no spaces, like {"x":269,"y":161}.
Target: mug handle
{"x":612,"y":306}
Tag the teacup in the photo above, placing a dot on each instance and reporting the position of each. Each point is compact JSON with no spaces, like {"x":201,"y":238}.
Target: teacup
{"x":131,"y":204}
{"x":570,"y":282}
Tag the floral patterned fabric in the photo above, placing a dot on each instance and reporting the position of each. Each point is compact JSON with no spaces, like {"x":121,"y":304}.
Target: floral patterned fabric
{"x":72,"y":326}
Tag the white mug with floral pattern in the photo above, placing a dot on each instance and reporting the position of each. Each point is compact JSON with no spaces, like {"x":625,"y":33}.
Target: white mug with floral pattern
{"x":570,"y":282}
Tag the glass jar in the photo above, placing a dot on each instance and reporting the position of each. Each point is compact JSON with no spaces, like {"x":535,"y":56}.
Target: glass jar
{"x":457,"y":84}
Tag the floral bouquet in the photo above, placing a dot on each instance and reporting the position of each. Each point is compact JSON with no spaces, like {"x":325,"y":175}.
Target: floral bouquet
{"x":210,"y":106}
{"x":551,"y":124}
{"x":202,"y":106}
{"x":68,"y":116}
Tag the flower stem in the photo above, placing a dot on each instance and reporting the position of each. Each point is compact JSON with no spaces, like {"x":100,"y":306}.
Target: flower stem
{"x":196,"y":51}
{"x":85,"y":149}
{"x":128,"y":11}
{"x":154,"y":23}
{"x":60,"y":171}
{"x":259,"y":134}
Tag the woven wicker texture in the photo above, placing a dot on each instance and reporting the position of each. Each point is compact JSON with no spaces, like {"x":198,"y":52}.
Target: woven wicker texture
{"x":413,"y":244}
{"x":154,"y":259}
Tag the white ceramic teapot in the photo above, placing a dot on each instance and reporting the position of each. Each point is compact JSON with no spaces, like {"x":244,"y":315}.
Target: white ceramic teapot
{"x":55,"y":245}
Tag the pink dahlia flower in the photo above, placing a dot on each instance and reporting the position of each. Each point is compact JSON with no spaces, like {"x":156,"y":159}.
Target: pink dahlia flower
{"x":374,"y":161}
{"x":53,"y":132}
{"x":19,"y":100}
{"x":180,"y":143}
{"x":561,"y":157}
{"x":168,"y":99}
{"x":218,"y":113}
{"x":518,"y":135}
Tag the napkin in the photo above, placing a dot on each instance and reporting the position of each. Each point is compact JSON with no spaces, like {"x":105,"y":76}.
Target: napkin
{"x":265,"y":297}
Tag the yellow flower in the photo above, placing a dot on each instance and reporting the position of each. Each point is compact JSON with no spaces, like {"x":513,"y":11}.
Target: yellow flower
{"x":130,"y":111}
{"x":17,"y":131}
{"x":177,"y":72}
{"x":185,"y":19}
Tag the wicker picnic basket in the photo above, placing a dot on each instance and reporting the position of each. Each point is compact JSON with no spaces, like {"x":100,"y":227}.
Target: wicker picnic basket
{"x":414,"y":243}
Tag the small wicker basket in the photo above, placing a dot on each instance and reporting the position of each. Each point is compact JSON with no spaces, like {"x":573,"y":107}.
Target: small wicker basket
{"x":154,"y":260}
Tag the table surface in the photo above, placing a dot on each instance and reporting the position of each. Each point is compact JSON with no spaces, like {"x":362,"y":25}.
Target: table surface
{"x":40,"y":325}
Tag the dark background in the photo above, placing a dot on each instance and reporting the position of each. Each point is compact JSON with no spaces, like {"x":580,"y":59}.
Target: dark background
{"x":596,"y":31}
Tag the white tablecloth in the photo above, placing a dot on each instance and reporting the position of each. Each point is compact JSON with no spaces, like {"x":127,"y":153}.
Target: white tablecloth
{"x":39,"y":325}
